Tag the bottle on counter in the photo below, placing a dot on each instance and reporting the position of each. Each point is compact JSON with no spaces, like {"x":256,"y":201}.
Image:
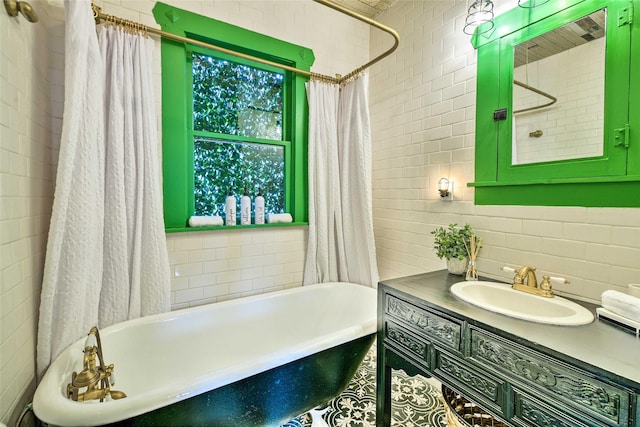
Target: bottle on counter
{"x":230,"y":209}
{"x":245,"y":208}
{"x":259,"y":208}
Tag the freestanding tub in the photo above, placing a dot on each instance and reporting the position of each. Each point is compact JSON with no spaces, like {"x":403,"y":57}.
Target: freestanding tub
{"x":254,"y":361}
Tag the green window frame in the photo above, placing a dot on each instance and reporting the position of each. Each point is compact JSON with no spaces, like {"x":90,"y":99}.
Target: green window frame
{"x":177,"y":109}
{"x":612,"y":179}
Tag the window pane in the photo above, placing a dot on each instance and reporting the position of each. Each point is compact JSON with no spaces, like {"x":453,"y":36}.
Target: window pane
{"x":223,"y":165}
{"x":236,"y":99}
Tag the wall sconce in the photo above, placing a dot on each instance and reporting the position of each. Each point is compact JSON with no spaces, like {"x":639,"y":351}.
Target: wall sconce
{"x":480,"y":12}
{"x":530,"y":4}
{"x":445,"y":188}
{"x":13,"y":7}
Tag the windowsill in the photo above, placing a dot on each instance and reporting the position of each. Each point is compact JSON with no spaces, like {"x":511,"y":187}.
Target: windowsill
{"x":234,"y":227}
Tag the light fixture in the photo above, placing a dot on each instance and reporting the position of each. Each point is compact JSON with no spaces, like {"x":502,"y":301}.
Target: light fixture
{"x":530,"y":4}
{"x":480,"y":14}
{"x":445,"y":188}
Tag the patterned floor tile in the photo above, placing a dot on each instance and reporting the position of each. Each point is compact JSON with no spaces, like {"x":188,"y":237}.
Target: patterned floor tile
{"x":415,"y":401}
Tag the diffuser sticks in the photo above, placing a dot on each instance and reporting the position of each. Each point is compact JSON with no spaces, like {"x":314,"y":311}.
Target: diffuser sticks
{"x":473,"y":249}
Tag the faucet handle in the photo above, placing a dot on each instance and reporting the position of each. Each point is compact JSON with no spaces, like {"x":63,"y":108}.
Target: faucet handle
{"x":515,"y":270}
{"x":547,"y":281}
{"x":90,"y":341}
{"x":559,"y":280}
{"x":545,"y":286}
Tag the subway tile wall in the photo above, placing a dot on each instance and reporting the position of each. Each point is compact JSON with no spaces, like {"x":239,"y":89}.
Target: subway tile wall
{"x":213,"y":266}
{"x":423,"y":115}
{"x":27,"y":175}
{"x":206,"y":266}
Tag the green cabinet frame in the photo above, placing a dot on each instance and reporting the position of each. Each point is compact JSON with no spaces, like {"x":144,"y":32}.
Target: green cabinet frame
{"x":612,"y":179}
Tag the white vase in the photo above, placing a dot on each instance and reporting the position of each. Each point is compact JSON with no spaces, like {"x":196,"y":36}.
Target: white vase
{"x":457,"y":266}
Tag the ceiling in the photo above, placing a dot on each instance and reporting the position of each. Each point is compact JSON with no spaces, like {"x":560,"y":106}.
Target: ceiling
{"x":574,"y":34}
{"x":368,"y":8}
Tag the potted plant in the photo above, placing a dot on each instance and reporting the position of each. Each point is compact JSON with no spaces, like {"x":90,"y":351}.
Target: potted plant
{"x":451,"y":243}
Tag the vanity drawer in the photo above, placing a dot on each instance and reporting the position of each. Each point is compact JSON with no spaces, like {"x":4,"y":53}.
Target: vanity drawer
{"x":530,"y":412}
{"x":413,"y":345}
{"x":436,"y":326}
{"x":560,"y":382}
{"x":485,"y":390}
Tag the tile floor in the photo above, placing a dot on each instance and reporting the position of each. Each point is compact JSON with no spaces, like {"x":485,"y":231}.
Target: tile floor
{"x":415,"y":401}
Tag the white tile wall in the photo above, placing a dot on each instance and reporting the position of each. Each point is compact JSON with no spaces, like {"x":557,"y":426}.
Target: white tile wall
{"x":213,"y":266}
{"x":26,"y":189}
{"x":206,"y":266}
{"x":422,"y":111}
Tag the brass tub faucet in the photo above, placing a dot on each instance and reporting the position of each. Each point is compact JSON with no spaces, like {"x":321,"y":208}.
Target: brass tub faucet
{"x":96,"y":378}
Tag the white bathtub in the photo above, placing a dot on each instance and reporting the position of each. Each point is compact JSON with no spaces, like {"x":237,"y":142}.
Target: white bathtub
{"x":171,"y":363}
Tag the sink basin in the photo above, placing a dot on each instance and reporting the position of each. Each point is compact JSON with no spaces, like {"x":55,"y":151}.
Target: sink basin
{"x":501,"y":298}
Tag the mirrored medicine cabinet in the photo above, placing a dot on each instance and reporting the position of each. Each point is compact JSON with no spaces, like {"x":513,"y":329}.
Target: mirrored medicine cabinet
{"x":558,"y":108}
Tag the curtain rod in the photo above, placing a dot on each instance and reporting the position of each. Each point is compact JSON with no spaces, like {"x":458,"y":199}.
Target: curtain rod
{"x":539,"y":92}
{"x":99,"y":16}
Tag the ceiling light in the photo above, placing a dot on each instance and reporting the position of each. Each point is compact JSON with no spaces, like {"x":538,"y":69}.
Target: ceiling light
{"x":530,"y":4}
{"x":480,"y":14}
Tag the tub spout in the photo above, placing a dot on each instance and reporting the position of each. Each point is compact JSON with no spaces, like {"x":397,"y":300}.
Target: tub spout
{"x":96,"y":378}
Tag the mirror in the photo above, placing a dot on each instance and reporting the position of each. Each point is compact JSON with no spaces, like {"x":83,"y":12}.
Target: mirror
{"x":558,"y":93}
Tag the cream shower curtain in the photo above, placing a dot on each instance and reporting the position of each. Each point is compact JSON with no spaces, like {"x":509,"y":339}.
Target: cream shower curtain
{"x":106,"y":255}
{"x":341,"y":244}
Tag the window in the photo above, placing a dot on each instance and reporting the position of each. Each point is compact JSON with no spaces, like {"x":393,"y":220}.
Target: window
{"x":233,"y":99}
{"x":230,"y":124}
{"x":222,"y":166}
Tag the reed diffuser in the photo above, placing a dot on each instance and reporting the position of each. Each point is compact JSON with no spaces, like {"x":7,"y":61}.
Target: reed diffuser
{"x":473,"y":249}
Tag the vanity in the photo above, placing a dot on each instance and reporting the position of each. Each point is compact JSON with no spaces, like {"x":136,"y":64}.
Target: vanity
{"x":523,"y":373}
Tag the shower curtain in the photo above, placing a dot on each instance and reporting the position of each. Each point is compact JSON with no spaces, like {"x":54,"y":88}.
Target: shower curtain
{"x":341,"y":243}
{"x":106,"y":255}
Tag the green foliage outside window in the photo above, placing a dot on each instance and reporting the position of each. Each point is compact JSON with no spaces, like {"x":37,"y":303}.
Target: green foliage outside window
{"x":236,"y":99}
{"x":221,"y":166}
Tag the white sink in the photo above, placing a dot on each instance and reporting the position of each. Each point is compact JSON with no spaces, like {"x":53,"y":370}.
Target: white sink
{"x":501,"y":298}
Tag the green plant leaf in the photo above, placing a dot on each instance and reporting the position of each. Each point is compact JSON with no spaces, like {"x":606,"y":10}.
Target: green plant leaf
{"x":450,"y":242}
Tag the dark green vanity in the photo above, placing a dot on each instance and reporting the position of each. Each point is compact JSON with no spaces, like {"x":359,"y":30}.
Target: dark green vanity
{"x":524,"y":373}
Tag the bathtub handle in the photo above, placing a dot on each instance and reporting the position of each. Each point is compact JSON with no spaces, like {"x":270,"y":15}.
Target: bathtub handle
{"x":90,"y":341}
